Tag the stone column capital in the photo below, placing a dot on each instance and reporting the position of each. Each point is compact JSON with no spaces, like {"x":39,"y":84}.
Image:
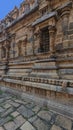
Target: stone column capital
{"x":52,"y":29}
{"x":36,"y":31}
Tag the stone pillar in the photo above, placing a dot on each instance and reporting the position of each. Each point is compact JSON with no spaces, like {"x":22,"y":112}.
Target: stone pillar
{"x":3,"y":51}
{"x":13,"y":46}
{"x":24,"y":43}
{"x":37,"y":39}
{"x":19,"y":48}
{"x":65,"y":21}
{"x":22,"y":48}
{"x":52,"y":31}
{"x":7,"y":50}
{"x":0,"y":51}
{"x":33,"y":40}
{"x":64,"y":13}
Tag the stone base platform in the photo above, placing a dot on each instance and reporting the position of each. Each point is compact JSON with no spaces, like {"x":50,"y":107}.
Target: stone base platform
{"x":55,"y":89}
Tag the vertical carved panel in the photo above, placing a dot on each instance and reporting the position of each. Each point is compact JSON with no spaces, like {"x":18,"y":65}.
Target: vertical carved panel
{"x":20,"y":48}
{"x":52,"y":32}
{"x":59,"y":33}
{"x":3,"y":52}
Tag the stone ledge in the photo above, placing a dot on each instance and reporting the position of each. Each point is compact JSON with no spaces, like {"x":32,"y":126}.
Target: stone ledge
{"x":45,"y":68}
{"x":66,"y":90}
{"x":57,"y":82}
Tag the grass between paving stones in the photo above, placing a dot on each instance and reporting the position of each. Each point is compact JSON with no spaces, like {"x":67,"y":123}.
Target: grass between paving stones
{"x":46,"y":108}
{"x":11,"y":118}
{"x":26,"y":118}
{"x":14,"y":97}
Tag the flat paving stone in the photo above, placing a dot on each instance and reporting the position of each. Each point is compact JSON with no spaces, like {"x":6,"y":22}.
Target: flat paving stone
{"x":14,"y":104}
{"x":7,"y":97}
{"x":10,"y":126}
{"x":1,"y":128}
{"x":4,"y":120}
{"x":14,"y":114}
{"x":40,"y":125}
{"x":19,"y":121}
{"x":7,"y":101}
{"x":1,"y":109}
{"x":27,"y":126}
{"x":64,"y":122}
{"x":20,"y":101}
{"x":27,"y":113}
{"x":54,"y":127}
{"x":33,"y":119}
{"x":7,"y":106}
{"x":45,"y":115}
{"x":1,"y":100}
{"x":36,"y":109}
{"x":7,"y":112}
{"x":30,"y":105}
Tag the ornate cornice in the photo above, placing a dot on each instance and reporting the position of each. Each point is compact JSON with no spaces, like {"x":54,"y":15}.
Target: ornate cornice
{"x":64,"y":9}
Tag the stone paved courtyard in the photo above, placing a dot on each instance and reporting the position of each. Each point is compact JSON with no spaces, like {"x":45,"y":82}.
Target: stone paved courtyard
{"x":18,"y":114}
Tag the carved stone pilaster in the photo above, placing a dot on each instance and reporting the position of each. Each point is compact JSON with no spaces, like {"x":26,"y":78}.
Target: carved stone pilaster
{"x":65,"y":26}
{"x":37,"y":37}
{"x":24,"y":42}
{"x":20,"y":48}
{"x":7,"y":46}
{"x":64,"y":13}
{"x":52,"y":31}
{"x":37,"y":32}
{"x":0,"y":51}
{"x":13,"y":45}
{"x":3,"y":52}
{"x":39,"y":40}
{"x":33,"y":43}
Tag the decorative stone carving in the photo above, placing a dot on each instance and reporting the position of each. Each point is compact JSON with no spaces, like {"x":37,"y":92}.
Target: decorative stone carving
{"x":64,"y":13}
{"x":37,"y":32}
{"x":64,"y":84}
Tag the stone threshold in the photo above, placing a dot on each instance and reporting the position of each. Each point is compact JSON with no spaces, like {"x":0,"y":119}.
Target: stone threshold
{"x":60,"y":108}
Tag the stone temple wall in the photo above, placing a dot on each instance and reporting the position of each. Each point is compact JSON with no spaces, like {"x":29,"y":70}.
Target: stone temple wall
{"x":27,"y":63}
